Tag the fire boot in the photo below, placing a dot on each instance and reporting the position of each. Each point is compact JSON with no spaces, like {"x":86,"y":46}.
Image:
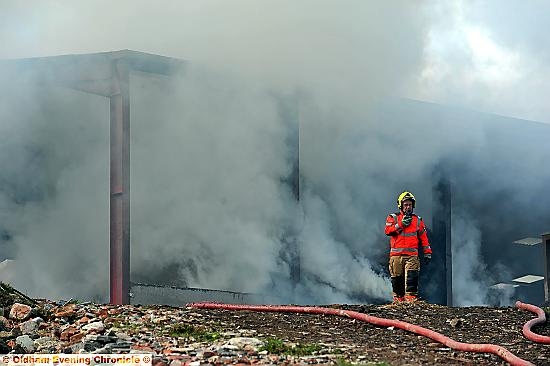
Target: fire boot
{"x":411,"y":298}
{"x":398,"y":299}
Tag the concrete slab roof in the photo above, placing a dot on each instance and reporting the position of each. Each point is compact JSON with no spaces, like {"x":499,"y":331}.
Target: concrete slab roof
{"x":89,"y":72}
{"x":529,"y":241}
{"x":528,"y":279}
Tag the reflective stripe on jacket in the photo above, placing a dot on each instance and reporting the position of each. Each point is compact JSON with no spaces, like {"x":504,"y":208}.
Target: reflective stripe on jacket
{"x":404,"y":241}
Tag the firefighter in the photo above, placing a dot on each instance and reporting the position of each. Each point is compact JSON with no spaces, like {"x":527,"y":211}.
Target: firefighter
{"x":406,"y":230}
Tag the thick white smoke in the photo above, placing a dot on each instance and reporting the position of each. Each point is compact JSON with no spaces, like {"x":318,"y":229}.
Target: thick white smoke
{"x":210,"y":153}
{"x":208,"y":161}
{"x":470,"y":280}
{"x":55,"y":188}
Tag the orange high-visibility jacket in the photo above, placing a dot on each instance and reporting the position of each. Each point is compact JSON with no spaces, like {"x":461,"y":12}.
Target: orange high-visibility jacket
{"x":404,"y":241}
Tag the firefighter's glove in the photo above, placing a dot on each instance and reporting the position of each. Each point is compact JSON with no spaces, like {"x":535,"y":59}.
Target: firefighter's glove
{"x":406,"y":221}
{"x":427,"y":258}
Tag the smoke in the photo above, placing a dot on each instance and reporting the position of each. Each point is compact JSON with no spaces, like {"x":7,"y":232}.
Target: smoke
{"x":214,"y":150}
{"x":208,"y":197}
{"x":488,"y":56}
{"x":470,"y":280}
{"x":55,"y":188}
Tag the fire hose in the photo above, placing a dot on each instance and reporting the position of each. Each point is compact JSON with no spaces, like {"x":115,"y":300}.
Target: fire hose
{"x":541,"y":318}
{"x":459,"y":346}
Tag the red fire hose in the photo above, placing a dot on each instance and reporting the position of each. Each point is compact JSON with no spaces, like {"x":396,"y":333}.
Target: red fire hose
{"x":527,"y":326}
{"x":468,"y":347}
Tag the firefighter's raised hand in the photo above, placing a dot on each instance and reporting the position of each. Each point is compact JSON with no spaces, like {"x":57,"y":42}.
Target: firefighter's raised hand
{"x":406,"y":220}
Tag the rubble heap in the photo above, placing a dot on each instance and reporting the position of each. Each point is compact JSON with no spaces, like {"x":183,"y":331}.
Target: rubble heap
{"x":173,"y":336}
{"x":178,"y":336}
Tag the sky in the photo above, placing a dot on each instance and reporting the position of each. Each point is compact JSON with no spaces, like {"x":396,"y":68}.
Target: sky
{"x":209,"y":203}
{"x":451,"y":46}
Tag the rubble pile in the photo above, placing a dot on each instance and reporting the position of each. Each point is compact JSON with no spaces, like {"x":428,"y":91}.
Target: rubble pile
{"x":178,"y":336}
{"x":156,"y":330}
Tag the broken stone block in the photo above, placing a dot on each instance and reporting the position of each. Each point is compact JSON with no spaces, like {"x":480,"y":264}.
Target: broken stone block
{"x":20,"y":311}
{"x":30,"y":326}
{"x":45,"y":344}
{"x":76,"y":337}
{"x":83,"y":320}
{"x":90,"y":346}
{"x":67,"y":333}
{"x":4,"y":322}
{"x":77,"y":347}
{"x":66,"y":311}
{"x":106,"y":349}
{"x":25,"y":342}
{"x":106,"y":338}
{"x":96,"y":327}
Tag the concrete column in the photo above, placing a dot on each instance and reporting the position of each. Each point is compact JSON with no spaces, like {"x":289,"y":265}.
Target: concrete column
{"x":120,"y":186}
{"x":546,"y":249}
{"x":448,"y":247}
{"x":440,"y":271}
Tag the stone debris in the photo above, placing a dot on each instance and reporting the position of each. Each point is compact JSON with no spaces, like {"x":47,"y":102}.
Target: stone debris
{"x":20,"y":311}
{"x":159,"y":331}
{"x":30,"y":326}
{"x":186,"y":336}
{"x":25,"y":342}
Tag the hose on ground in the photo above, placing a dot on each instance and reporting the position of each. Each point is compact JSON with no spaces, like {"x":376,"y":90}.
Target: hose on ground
{"x":459,"y":346}
{"x":541,"y":318}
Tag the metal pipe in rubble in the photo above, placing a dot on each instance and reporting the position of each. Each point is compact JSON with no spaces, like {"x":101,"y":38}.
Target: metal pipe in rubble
{"x":459,"y":346}
{"x":541,"y":318}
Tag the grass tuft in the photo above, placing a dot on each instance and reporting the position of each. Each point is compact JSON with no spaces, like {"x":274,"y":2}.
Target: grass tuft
{"x":278,"y":346}
{"x":189,"y":331}
{"x":342,"y":362}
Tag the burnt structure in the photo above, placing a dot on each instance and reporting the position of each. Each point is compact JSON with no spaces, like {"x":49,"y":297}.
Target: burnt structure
{"x":473,"y":179}
{"x":106,"y":74}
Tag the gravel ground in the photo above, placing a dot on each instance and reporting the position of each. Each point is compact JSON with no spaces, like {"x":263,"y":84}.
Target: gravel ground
{"x":361,"y":342}
{"x":190,"y":336}
{"x":178,"y":336}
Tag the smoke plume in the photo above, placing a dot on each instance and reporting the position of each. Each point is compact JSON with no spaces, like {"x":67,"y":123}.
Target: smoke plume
{"x":269,"y":89}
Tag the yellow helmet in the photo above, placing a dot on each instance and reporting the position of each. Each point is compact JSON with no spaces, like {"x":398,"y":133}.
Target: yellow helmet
{"x":403,"y":197}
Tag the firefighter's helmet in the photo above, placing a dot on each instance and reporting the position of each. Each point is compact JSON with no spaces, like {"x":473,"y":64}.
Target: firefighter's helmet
{"x":403,"y":197}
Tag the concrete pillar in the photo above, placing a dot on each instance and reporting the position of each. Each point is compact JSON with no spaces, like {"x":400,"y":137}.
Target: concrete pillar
{"x":546,"y":249}
{"x":120,"y":186}
{"x":440,"y":271}
{"x":448,"y":248}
